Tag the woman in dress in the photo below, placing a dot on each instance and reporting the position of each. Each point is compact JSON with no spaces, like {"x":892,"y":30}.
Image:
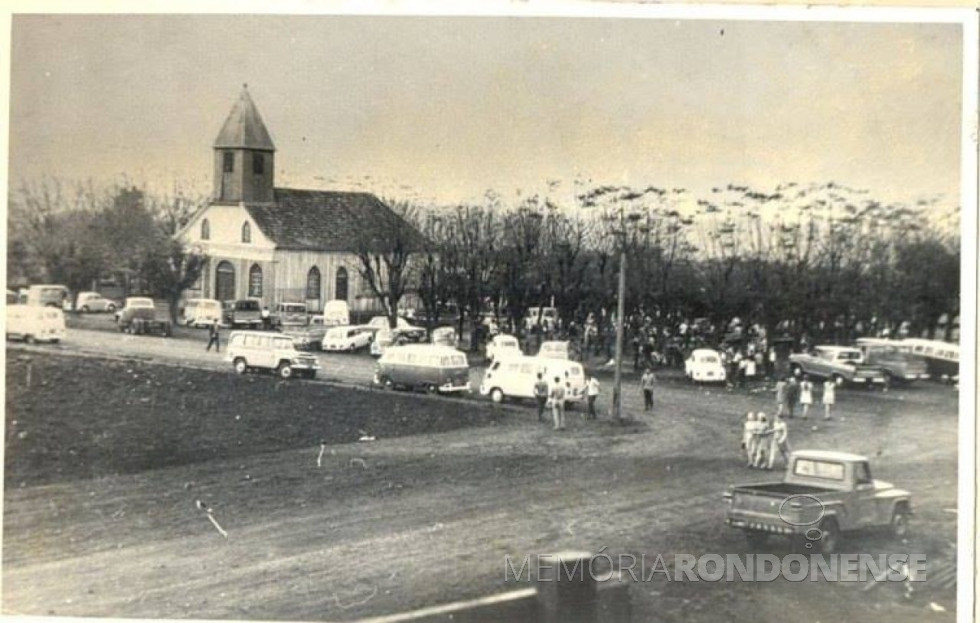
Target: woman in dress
{"x":829,"y":397}
{"x":806,"y":395}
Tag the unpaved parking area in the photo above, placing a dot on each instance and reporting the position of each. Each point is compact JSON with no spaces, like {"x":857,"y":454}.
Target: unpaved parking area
{"x":103,"y":471}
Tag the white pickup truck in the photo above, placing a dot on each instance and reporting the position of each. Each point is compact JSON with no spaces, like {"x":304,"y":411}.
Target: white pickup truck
{"x":822,"y":495}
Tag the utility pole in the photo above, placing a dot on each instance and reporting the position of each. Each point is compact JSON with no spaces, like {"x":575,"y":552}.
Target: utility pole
{"x":620,"y":311}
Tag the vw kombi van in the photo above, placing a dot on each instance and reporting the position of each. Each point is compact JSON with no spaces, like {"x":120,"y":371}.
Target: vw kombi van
{"x":35,"y":323}
{"x":514,"y":377}
{"x":429,"y":367}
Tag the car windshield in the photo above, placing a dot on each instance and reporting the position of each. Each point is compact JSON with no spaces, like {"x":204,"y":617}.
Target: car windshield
{"x":508,"y":343}
{"x":709,"y":359}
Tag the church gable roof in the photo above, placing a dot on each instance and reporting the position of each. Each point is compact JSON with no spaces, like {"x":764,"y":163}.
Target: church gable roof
{"x":318,"y":220}
{"x":244,"y":129}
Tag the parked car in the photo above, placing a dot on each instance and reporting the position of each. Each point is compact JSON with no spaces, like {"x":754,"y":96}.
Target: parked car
{"x":309,"y":337}
{"x":201,"y":312}
{"x":243,"y":313}
{"x":555,"y":350}
{"x":830,"y":491}
{"x":942,"y":358}
{"x":704,"y":366}
{"x":406,"y":329}
{"x":430,"y":367}
{"x":34,"y":323}
{"x":384,"y":338}
{"x":348,"y":339}
{"x":262,"y":350}
{"x":899,"y":365}
{"x":140,"y":316}
{"x":503,"y":346}
{"x":289,"y":315}
{"x":514,"y":377}
{"x":336,"y":313}
{"x":446,"y":336}
{"x":838,"y":363}
{"x":48,"y":296}
{"x":134,"y":302}
{"x":87,"y":302}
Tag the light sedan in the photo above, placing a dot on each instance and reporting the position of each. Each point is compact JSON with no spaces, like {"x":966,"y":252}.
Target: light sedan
{"x":347,"y":339}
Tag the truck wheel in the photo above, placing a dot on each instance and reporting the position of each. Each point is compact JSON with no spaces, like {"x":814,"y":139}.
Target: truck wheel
{"x":899,"y":525}
{"x":830,"y":536}
{"x":756,"y":539}
{"x":837,"y":379}
{"x":110,"y":308}
{"x":431,"y":389}
{"x":386,"y":383}
{"x":497,"y":395}
{"x":285,"y":371}
{"x":241,"y":366}
{"x":84,"y":309}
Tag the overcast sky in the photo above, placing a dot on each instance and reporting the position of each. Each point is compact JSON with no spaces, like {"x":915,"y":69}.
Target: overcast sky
{"x":447,"y":108}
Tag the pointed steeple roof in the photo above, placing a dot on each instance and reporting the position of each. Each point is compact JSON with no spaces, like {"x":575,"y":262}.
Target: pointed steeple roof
{"x":243,"y":129}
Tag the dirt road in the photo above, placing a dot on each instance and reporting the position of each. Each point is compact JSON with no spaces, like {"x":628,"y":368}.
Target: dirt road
{"x":428,"y":518}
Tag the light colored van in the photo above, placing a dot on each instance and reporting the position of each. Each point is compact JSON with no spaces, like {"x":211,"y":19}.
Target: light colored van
{"x":270,"y":351}
{"x":336,"y":313}
{"x":514,"y":377}
{"x":429,"y":367}
{"x":33,"y":323}
{"x":202,"y":312}
{"x":49,"y":296}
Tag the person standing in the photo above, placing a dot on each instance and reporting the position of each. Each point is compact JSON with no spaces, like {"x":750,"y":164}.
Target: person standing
{"x":266,"y":318}
{"x":792,"y":396}
{"x":771,"y":362}
{"x":748,"y":436}
{"x":779,"y":441}
{"x":829,"y":397}
{"x":806,"y":395}
{"x":541,"y":391}
{"x":647,"y":382}
{"x":214,"y":337}
{"x":558,"y":403}
{"x":763,"y":441}
{"x":780,"y":395}
{"x":592,"y":392}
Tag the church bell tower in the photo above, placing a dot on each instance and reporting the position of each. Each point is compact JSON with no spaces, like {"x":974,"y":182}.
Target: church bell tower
{"x":244,"y":156}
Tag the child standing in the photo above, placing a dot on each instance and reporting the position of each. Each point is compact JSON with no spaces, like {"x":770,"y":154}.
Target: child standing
{"x":749,"y":438}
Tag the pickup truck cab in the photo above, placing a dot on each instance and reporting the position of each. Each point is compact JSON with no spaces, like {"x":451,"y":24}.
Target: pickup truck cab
{"x":822,"y":495}
{"x":140,"y":316}
{"x":243,"y":313}
{"x":899,"y":366}
{"x":841,"y":364}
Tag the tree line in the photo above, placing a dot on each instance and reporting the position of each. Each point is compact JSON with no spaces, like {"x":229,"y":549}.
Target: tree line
{"x":825,"y":260}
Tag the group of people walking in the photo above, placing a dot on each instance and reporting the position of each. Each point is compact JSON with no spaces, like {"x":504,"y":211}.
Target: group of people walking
{"x":762,"y":439}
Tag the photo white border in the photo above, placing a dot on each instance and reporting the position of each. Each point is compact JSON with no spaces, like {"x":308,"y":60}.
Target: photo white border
{"x":964,"y":14}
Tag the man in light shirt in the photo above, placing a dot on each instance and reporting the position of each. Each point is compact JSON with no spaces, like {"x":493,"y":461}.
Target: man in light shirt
{"x":592,"y":392}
